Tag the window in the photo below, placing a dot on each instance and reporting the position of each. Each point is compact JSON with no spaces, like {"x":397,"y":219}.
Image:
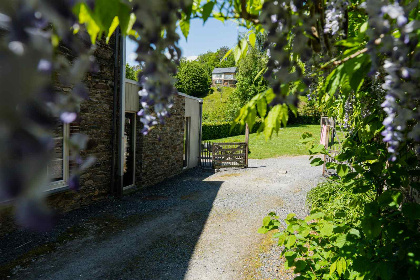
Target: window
{"x":218,"y":81}
{"x":217,"y":76}
{"x":58,"y":168}
{"x":229,"y":76}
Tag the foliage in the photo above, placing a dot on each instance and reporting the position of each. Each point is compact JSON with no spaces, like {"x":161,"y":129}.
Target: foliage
{"x":132,"y":72}
{"x":192,"y":79}
{"x":216,"y":105}
{"x":285,"y":143}
{"x":216,"y":130}
{"x":247,"y":85}
{"x":338,"y":200}
{"x":211,"y":60}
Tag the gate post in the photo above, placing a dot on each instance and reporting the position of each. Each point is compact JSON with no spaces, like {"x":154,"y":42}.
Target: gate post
{"x":247,"y":144}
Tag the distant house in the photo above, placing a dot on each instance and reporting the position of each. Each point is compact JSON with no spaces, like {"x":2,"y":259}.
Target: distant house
{"x":224,"y":77}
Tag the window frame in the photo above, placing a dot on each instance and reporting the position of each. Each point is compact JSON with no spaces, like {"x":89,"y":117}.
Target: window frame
{"x":53,"y":185}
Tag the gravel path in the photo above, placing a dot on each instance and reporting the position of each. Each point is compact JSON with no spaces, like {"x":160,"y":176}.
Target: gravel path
{"x":197,"y":226}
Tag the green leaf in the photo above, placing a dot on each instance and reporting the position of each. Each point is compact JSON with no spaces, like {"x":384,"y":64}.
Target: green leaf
{"x":341,"y":240}
{"x":83,"y":12}
{"x":282,"y":238}
{"x":342,"y":170}
{"x":105,"y":12}
{"x":126,"y":18}
{"x":327,"y":229}
{"x":355,"y":232}
{"x":184,"y":24}
{"x":266,"y":221}
{"x":333,"y":268}
{"x":262,"y":230}
{"x":290,"y":216}
{"x":314,"y":216}
{"x":262,"y":107}
{"x":350,"y":42}
{"x":227,"y":54}
{"x":207,"y":9}
{"x":411,"y":211}
{"x":341,"y":266}
{"x":252,"y":39}
{"x":259,"y":74}
{"x":371,"y":226}
{"x":317,"y":162}
{"x":364,"y":27}
{"x":290,"y":241}
{"x":391,"y":198}
{"x":300,"y":265}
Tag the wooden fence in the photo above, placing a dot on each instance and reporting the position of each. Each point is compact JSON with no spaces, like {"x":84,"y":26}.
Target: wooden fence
{"x":229,"y":155}
{"x":223,"y":155}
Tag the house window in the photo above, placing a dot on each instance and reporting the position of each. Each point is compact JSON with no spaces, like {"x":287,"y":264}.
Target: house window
{"x":218,"y":81}
{"x":229,"y":76}
{"x":217,"y":76}
{"x":58,"y":168}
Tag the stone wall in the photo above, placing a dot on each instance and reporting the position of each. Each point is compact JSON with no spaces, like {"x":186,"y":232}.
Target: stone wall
{"x":160,"y":153}
{"x":96,"y":122}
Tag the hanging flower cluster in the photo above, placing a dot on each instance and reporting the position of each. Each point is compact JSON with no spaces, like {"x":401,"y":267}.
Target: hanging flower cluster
{"x":30,"y":101}
{"x":334,"y":16}
{"x":280,"y":19}
{"x":159,"y":53}
{"x":402,"y":81}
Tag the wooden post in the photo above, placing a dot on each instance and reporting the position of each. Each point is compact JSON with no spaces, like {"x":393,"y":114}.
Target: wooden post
{"x":247,"y":144}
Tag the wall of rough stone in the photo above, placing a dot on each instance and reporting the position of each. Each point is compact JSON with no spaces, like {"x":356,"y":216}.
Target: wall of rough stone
{"x":96,"y":122}
{"x":160,"y":153}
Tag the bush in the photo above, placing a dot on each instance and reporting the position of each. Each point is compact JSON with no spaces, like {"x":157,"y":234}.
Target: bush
{"x":335,"y":199}
{"x":192,"y":79}
{"x":217,"y":130}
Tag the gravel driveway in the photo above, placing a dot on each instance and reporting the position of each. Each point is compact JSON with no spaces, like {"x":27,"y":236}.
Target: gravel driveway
{"x":199,"y":225}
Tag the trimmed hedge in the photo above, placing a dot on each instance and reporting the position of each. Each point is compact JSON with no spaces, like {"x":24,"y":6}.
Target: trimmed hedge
{"x":219,"y":130}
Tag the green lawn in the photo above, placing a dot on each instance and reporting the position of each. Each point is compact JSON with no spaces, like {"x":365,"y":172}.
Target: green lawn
{"x":286,"y":143}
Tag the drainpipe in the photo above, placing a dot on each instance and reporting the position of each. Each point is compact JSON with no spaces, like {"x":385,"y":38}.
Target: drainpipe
{"x":114,"y":113}
{"x":200,"y":131}
{"x":120,"y":142}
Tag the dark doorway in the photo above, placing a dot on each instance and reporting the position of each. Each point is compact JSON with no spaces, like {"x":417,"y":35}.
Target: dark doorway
{"x":129,"y":148}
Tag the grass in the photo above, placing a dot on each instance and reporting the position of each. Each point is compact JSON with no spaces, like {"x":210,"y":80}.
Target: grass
{"x":216,"y":104}
{"x":285,"y":143}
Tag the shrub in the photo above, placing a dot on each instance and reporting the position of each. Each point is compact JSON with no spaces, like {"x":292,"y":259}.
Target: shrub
{"x":217,"y":130}
{"x":192,"y":79}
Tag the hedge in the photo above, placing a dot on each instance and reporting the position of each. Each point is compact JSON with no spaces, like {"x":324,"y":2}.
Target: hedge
{"x":219,"y":130}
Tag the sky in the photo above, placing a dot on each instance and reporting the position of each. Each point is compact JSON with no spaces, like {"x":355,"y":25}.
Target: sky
{"x":210,"y":37}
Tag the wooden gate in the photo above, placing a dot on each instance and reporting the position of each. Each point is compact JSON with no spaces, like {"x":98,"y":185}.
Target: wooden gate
{"x":230,"y":155}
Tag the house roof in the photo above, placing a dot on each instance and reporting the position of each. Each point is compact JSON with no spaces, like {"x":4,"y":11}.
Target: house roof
{"x":224,"y":70}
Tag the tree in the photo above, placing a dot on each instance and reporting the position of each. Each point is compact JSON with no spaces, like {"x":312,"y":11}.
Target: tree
{"x":211,"y":60}
{"x":132,"y":72}
{"x":192,"y":79}
{"x":249,"y":83}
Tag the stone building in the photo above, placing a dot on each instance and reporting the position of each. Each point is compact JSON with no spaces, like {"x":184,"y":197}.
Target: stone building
{"x":125,"y":159}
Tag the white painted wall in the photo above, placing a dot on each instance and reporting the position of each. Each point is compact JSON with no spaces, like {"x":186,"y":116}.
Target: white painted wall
{"x":192,"y":110}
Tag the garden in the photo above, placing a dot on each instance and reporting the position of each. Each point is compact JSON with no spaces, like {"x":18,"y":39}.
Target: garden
{"x":355,"y":61}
